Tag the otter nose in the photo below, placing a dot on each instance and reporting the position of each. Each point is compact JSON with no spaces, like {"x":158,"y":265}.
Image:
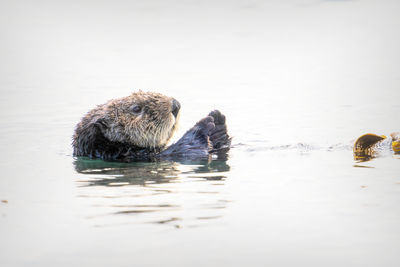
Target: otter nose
{"x":175,"y":107}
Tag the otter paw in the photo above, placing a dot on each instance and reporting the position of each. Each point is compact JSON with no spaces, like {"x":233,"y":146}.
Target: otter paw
{"x":218,"y":117}
{"x":219,"y":137}
{"x":206,"y":125}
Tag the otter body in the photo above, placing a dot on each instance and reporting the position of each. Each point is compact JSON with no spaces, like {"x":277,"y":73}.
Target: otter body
{"x":138,"y":128}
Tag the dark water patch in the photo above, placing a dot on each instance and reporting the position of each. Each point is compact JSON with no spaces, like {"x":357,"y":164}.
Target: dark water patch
{"x":362,"y":166}
{"x":173,"y":219}
{"x":134,"y":211}
{"x":209,"y":178}
{"x":162,"y":191}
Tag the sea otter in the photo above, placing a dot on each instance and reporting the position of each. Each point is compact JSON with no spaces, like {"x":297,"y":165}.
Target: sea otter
{"x":138,"y":128}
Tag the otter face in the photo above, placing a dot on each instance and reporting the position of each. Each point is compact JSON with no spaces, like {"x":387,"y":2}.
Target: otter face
{"x":143,"y":119}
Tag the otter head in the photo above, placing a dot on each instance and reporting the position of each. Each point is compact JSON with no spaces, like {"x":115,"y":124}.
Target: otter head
{"x":143,"y":119}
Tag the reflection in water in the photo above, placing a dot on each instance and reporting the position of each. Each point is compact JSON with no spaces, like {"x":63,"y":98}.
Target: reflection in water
{"x":140,"y":173}
{"x":153,"y":192}
{"x":119,"y":174}
{"x":364,"y":156}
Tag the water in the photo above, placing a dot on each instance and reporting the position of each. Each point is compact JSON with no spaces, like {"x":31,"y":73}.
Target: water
{"x":298,"y":82}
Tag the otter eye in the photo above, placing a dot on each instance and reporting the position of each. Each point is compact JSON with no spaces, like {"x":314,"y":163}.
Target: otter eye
{"x":136,"y":108}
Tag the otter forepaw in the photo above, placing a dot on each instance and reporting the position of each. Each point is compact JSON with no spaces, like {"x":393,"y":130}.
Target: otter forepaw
{"x":218,"y":117}
{"x":207,"y":135}
{"x":194,"y":143}
{"x":219,"y":137}
{"x":205,"y":126}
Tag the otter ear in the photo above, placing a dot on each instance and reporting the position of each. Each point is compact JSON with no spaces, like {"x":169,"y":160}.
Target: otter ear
{"x":88,"y":138}
{"x":100,"y":123}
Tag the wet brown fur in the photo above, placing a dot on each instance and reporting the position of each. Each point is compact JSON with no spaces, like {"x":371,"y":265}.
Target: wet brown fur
{"x":117,"y":130}
{"x":151,"y":128}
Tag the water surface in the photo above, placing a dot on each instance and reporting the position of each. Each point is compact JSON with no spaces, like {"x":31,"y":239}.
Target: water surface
{"x":298,"y":81}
